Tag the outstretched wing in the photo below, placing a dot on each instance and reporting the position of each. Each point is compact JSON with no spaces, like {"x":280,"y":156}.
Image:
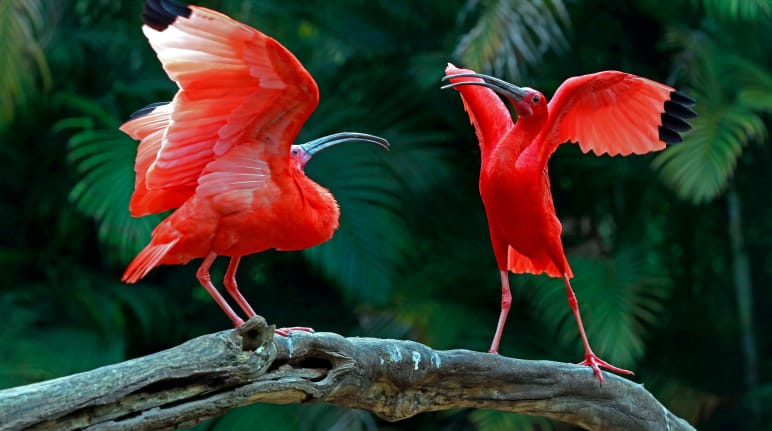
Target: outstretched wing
{"x":615,"y":113}
{"x":237,"y":87}
{"x":148,"y":126}
{"x":487,"y":112}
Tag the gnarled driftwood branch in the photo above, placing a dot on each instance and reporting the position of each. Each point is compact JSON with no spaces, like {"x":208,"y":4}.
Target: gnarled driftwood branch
{"x":394,"y":379}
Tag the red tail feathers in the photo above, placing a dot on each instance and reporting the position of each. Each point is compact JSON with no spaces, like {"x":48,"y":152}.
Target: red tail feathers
{"x":147,"y":259}
{"x":520,"y":264}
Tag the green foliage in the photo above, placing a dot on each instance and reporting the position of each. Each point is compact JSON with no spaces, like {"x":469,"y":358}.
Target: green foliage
{"x":98,"y":311}
{"x":620,"y":297}
{"x":366,"y":252}
{"x":732,"y":93}
{"x":510,"y":35}
{"x":292,"y":418}
{"x":699,"y":170}
{"x":103,"y":158}
{"x":412,"y":257}
{"x":683,"y":399}
{"x":492,"y":420}
{"x":747,"y":10}
{"x":23,"y":59}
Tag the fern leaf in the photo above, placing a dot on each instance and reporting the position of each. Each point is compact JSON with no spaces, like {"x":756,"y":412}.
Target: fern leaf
{"x":619,"y":299}
{"x":731,"y":92}
{"x":365,"y":255}
{"x":23,"y":59}
{"x":741,"y":10}
{"x":104,"y":160}
{"x":699,"y":169}
{"x":509,"y":35}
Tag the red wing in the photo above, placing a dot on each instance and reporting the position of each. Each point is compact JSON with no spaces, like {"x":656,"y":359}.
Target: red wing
{"x":487,"y":112}
{"x":148,"y":126}
{"x":240,"y":168}
{"x":237,"y":87}
{"x":614,"y":112}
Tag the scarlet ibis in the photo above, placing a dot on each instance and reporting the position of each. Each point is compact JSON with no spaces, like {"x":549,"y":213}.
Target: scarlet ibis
{"x":606,"y":112}
{"x":220,"y":152}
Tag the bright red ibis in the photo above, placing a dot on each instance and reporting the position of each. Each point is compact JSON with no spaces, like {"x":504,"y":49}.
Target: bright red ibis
{"x":606,"y":112}
{"x":221,"y":151}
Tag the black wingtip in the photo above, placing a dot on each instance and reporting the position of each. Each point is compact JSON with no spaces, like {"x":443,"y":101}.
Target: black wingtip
{"x":146,"y":110}
{"x":159,"y":14}
{"x":680,"y":97}
{"x":673,"y":120}
{"x":669,"y":136}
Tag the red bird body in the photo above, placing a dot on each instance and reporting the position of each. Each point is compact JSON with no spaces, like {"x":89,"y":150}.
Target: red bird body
{"x":607,"y":112}
{"x":221,"y":152}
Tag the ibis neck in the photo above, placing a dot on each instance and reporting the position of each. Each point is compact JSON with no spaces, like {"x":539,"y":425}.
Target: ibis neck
{"x":518,"y":145}
{"x":319,"y":213}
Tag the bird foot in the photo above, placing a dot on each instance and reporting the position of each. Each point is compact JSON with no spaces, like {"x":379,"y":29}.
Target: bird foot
{"x":596,"y":363}
{"x":284,"y":332}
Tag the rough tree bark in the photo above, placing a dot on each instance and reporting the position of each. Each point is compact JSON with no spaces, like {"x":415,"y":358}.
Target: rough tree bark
{"x":206,"y":376}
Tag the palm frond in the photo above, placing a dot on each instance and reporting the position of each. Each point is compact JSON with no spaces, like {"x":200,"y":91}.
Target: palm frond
{"x":754,"y":84}
{"x":366,"y":253}
{"x":103,"y":157}
{"x":511,"y":34}
{"x":699,"y":169}
{"x":745,"y":10}
{"x":731,"y":93}
{"x":23,"y":59}
{"x":619,"y":297}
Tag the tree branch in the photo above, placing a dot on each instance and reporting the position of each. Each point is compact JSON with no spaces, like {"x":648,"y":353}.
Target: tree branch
{"x":394,"y":379}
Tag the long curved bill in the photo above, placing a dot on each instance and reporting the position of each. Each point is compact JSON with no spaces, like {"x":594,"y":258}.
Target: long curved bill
{"x":313,"y":147}
{"x":499,"y":86}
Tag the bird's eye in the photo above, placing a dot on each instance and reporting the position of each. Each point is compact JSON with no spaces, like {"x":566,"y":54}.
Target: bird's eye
{"x":294,"y":152}
{"x":536,"y":98}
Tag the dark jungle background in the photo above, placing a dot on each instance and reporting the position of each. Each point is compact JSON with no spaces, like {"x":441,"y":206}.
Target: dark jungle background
{"x":672,"y":251}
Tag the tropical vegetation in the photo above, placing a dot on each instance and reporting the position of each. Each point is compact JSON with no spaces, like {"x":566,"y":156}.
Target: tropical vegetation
{"x":672,"y":252}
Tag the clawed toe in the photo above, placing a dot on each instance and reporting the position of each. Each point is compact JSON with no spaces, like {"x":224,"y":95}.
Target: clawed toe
{"x":593,"y":361}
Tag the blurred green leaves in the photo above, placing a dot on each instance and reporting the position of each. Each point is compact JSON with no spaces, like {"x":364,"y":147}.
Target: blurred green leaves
{"x":510,"y":35}
{"x":366,"y":253}
{"x":747,"y":10}
{"x":412,"y":257}
{"x":22,"y":61}
{"x":103,"y":158}
{"x":492,"y":420}
{"x":619,"y":297}
{"x":268,"y":417}
{"x":87,"y":321}
{"x":732,"y":94}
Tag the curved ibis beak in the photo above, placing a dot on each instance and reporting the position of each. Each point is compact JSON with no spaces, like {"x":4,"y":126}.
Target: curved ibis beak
{"x":320,"y":144}
{"x":503,"y":88}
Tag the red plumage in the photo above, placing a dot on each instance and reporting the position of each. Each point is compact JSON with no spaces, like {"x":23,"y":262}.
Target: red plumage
{"x":607,"y":112}
{"x":220,"y":153}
